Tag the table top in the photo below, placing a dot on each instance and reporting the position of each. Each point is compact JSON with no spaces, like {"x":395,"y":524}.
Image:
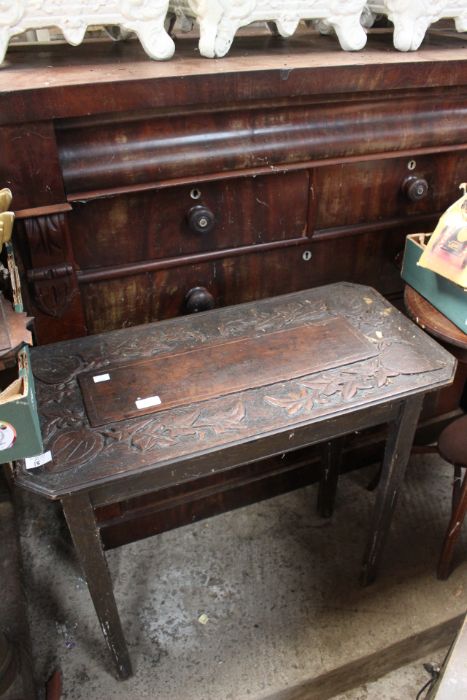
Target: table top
{"x":433,"y":321}
{"x":362,"y":353}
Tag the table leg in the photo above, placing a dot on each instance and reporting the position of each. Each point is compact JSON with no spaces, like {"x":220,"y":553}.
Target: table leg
{"x":401,"y":433}
{"x":81,"y":520}
{"x":331,"y":457}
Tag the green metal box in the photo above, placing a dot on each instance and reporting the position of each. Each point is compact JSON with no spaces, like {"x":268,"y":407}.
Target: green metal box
{"x":20,"y":434}
{"x":447,"y":297}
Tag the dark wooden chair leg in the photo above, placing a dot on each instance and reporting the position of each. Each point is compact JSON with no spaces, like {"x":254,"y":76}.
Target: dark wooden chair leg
{"x":452,"y":533}
{"x":396,"y":456}
{"x":80,"y":517}
{"x":331,"y":458}
{"x":457,"y":486}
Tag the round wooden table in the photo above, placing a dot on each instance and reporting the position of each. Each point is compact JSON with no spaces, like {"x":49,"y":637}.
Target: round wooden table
{"x":434,"y":322}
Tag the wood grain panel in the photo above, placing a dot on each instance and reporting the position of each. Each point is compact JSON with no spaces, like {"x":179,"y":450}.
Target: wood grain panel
{"x":372,"y":191}
{"x":219,"y":369}
{"x":246,"y":211}
{"x":370,"y":258}
{"x":108,"y":77}
{"x":103,"y":156}
{"x":29,"y":165}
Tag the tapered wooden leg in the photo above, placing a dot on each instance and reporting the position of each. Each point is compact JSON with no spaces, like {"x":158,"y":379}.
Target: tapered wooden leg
{"x":452,"y":533}
{"x":396,"y":456}
{"x":80,"y":517}
{"x":457,"y":486}
{"x":331,"y":457}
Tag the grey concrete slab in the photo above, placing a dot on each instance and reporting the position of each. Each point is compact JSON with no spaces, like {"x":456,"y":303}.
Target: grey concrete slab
{"x":250,"y":604}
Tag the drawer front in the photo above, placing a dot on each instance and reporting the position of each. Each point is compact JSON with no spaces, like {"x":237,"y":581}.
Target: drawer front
{"x":394,"y":188}
{"x":190,"y":219}
{"x":140,"y":298}
{"x":129,"y":300}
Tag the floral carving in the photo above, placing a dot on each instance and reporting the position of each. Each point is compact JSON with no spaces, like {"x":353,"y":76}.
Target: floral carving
{"x":412,"y":18}
{"x":156,"y":433}
{"x":325,"y":388}
{"x":223,"y":421}
{"x":159,"y":433}
{"x":220,"y":19}
{"x":74,"y":448}
{"x":291,"y":314}
{"x":295,"y":402}
{"x":56,"y":369}
{"x":11,"y":12}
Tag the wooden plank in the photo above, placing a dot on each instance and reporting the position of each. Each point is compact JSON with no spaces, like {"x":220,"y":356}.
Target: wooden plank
{"x":453,"y":680}
{"x":219,"y":369}
{"x":371,"y":667}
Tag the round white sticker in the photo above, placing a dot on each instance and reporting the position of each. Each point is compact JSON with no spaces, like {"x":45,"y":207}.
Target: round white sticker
{"x":7,"y":435}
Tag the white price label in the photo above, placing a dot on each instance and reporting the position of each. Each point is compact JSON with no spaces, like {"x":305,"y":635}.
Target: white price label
{"x":101,"y":378}
{"x":38,"y":460}
{"x":147,"y":403}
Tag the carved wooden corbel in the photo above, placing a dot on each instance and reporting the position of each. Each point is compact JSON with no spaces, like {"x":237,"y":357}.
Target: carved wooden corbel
{"x":52,"y":278}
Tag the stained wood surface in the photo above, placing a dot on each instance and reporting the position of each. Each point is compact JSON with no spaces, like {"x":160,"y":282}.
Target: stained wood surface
{"x":217,"y":369}
{"x":183,"y":443}
{"x":281,"y":64}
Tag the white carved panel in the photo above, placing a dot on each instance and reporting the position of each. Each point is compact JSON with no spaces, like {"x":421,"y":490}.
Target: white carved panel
{"x":219,"y":20}
{"x":412,"y":18}
{"x":72,"y":17}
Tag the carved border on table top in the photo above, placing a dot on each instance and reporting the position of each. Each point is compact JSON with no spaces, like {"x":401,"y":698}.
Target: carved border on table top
{"x":60,"y":366}
{"x":173,"y":432}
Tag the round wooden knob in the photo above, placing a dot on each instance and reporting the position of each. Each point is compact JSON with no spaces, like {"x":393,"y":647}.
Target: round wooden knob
{"x":201,"y":219}
{"x":415,"y":188}
{"x":198,"y":299}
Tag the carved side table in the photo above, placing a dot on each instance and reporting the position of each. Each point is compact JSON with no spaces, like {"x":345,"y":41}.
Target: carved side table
{"x":142,"y":409}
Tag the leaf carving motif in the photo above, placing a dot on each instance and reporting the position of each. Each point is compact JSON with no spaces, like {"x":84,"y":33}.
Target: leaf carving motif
{"x":154,"y":433}
{"x":320,"y":390}
{"x":55,"y":369}
{"x":74,"y":448}
{"x":150,"y":437}
{"x":294,"y":403}
{"x":261,"y":322}
{"x":226,"y":421}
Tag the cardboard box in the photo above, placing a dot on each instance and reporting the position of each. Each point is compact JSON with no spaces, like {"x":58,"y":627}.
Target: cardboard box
{"x":20,"y":434}
{"x":446,"y":296}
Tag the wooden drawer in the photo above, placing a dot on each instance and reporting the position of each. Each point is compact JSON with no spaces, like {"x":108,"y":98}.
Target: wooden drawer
{"x":140,"y":298}
{"x":374,"y":190}
{"x":168,"y":222}
{"x":130,"y":299}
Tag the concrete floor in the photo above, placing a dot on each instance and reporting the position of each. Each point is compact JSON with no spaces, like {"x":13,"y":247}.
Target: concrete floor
{"x":262,"y":602}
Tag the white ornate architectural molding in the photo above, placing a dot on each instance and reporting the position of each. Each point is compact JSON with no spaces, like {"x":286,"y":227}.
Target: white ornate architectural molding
{"x":144,"y":17}
{"x":219,"y":20}
{"x":412,"y":18}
